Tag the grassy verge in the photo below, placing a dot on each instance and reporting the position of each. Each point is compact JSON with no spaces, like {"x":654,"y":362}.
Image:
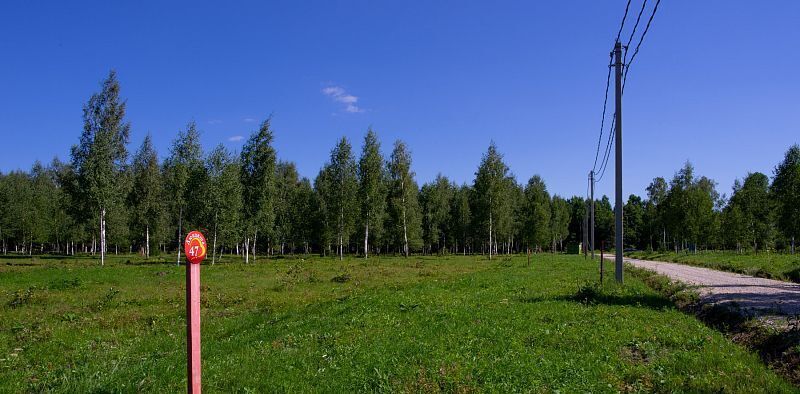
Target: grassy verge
{"x":765,"y":265}
{"x":456,"y":324}
{"x":775,"y":339}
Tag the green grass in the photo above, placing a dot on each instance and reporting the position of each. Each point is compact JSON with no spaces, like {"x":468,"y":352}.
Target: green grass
{"x":766,"y":265}
{"x":456,"y":324}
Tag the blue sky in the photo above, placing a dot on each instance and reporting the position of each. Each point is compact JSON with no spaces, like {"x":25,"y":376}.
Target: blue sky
{"x":716,"y":82}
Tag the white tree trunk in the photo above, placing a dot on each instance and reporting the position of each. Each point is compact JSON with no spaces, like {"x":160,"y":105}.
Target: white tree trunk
{"x":490,"y":229}
{"x":102,"y":236}
{"x":247,"y":250}
{"x":147,"y":242}
{"x":366,"y":238}
{"x":180,"y":234}
{"x":214,"y":250}
{"x":341,"y":230}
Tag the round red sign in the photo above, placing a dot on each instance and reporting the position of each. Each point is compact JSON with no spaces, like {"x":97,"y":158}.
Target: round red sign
{"x":195,"y":247}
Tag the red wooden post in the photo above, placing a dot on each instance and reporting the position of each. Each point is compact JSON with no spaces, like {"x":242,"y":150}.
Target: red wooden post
{"x":195,"y":248}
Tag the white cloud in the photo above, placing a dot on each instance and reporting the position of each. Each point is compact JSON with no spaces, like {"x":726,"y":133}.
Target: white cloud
{"x":248,"y":120}
{"x":214,"y":121}
{"x":339,"y":95}
{"x":333,"y":91}
{"x":236,"y":138}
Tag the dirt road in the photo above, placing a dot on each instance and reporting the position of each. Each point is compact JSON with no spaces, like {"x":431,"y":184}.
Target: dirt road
{"x":755,"y":296}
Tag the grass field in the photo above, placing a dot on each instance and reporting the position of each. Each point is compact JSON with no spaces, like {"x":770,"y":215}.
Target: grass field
{"x":765,"y":265}
{"x":455,"y":324}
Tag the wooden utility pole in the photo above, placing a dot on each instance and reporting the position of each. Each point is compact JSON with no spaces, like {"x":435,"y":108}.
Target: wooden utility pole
{"x":618,"y":230}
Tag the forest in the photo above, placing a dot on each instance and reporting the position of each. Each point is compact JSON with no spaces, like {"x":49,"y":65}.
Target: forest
{"x":254,"y":203}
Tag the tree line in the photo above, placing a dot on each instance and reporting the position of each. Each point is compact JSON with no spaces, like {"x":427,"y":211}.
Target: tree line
{"x":687,"y":213}
{"x":252,"y":203}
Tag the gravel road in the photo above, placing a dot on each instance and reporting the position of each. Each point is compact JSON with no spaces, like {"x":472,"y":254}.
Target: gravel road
{"x":756,"y":296}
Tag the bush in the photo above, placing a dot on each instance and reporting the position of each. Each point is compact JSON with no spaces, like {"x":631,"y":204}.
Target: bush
{"x":21,"y":297}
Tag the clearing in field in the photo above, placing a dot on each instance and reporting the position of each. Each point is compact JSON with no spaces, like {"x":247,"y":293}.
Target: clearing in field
{"x":455,"y":324}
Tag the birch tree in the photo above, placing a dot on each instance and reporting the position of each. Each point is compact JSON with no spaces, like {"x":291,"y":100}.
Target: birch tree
{"x":537,"y":213}
{"x":341,"y":198}
{"x":753,"y":200}
{"x":372,"y":189}
{"x":461,"y":216}
{"x":559,"y":221}
{"x":405,"y":217}
{"x":100,"y":156}
{"x":491,"y":196}
{"x":304,"y":214}
{"x":323,"y":218}
{"x":145,"y":198}
{"x":786,"y":191}
{"x":436,"y":197}
{"x":182,"y":173}
{"x":286,"y":187}
{"x":224,"y":198}
{"x":258,"y":164}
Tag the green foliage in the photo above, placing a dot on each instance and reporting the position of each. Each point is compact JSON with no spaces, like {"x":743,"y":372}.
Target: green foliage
{"x":436,"y":199}
{"x":324,"y":227}
{"x":537,"y":231}
{"x":223,"y":201}
{"x":146,"y":204}
{"x":604,"y":223}
{"x":785,"y":189}
{"x":493,"y":212}
{"x":461,"y":218}
{"x":257,"y":175}
{"x":21,"y":297}
{"x":372,"y":191}
{"x":287,"y":182}
{"x":340,"y":199}
{"x":99,"y":162}
{"x":183,"y":176}
{"x":634,"y":221}
{"x":404,"y":225}
{"x":752,"y":211}
{"x":559,"y":221}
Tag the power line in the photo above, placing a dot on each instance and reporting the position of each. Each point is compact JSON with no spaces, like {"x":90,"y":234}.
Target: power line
{"x":608,"y":82}
{"x":644,"y":33}
{"x":603,"y":119}
{"x":622,"y":24}
{"x":607,"y":153}
{"x":635,"y":25}
{"x":609,"y":144}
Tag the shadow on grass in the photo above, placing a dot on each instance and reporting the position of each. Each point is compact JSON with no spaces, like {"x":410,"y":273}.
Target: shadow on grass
{"x":37,"y":257}
{"x":587,"y":295}
{"x":793,"y":275}
{"x":150,"y":262}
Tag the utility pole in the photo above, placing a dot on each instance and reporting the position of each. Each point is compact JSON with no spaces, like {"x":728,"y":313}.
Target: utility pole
{"x":618,"y":160}
{"x":591,"y":204}
{"x":586,"y":227}
{"x":585,"y":244}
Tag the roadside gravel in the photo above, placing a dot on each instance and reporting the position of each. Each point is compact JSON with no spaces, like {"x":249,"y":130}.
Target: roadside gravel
{"x":753,"y":296}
